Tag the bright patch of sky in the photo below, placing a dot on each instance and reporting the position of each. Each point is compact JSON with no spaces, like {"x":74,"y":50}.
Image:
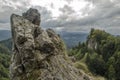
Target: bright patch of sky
{"x":55,"y":5}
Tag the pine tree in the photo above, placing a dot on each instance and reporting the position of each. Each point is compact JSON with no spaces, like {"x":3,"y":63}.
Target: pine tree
{"x":111,"y":73}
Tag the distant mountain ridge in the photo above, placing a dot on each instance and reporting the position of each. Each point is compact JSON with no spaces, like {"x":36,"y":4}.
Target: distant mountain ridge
{"x":70,"y":38}
{"x":5,"y":34}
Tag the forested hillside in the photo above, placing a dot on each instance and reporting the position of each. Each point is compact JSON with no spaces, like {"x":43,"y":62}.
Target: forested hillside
{"x":7,"y":43}
{"x":4,"y":34}
{"x":4,"y":62}
{"x":100,"y":53}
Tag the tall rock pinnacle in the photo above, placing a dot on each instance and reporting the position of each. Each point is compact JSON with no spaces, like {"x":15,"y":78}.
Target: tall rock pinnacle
{"x":38,"y":54}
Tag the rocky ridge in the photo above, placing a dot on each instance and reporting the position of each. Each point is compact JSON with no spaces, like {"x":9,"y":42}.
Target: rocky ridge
{"x":38,"y":54}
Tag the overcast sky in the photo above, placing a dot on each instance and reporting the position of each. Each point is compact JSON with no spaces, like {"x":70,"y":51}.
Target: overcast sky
{"x":68,"y":15}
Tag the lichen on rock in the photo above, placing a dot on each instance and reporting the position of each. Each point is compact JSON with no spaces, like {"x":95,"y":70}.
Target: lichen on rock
{"x":38,"y":54}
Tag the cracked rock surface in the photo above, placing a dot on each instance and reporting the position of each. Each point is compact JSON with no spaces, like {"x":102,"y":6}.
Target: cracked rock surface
{"x":38,"y":54}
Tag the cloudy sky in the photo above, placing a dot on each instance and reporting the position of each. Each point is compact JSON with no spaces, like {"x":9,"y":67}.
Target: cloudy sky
{"x":68,"y":15}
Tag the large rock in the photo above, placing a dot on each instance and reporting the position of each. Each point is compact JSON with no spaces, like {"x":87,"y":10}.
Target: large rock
{"x":38,"y":54}
{"x":33,"y":16}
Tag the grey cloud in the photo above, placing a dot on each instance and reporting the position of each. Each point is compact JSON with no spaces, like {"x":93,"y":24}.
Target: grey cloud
{"x":69,"y":1}
{"x":67,"y":10}
{"x":52,"y":5}
{"x":102,"y":17}
{"x":105,"y":15}
{"x":8,"y":9}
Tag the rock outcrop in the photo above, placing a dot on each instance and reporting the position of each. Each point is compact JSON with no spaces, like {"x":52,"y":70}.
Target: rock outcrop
{"x":38,"y":54}
{"x":92,"y":44}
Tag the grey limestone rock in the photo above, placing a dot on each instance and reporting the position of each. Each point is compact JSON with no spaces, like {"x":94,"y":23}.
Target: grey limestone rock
{"x":33,"y":16}
{"x":38,"y":54}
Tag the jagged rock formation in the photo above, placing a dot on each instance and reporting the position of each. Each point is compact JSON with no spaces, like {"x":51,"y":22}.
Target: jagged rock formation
{"x":38,"y":54}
